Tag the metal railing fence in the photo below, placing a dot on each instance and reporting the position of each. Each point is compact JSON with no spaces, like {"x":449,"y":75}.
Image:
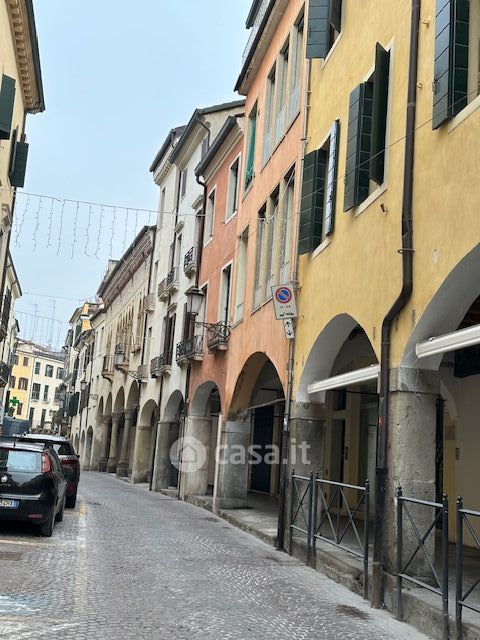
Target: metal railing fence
{"x":316,"y":504}
{"x":335,"y":509}
{"x":420,"y":536}
{"x":464,"y":521}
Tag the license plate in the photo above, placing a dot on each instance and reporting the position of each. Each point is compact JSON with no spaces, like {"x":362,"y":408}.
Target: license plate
{"x":10,"y":504}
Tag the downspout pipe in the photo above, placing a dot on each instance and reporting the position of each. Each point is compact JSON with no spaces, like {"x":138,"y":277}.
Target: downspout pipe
{"x":399,"y":304}
{"x":285,"y":444}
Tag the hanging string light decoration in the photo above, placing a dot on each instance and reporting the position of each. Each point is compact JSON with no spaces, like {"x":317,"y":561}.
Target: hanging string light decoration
{"x":87,"y":232}
{"x":62,"y":213}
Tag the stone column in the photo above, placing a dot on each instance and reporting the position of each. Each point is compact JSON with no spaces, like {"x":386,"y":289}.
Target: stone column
{"x":161,"y":470}
{"x":307,"y":436}
{"x":411,"y":461}
{"x":195,"y":456}
{"x":141,"y":454}
{"x":112,"y":456}
{"x":122,"y":467}
{"x":104,"y":429}
{"x":231,"y":484}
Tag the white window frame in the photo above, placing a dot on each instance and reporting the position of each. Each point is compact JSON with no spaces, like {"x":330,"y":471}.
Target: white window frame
{"x":210,"y":237}
{"x":220,"y":293}
{"x":229,"y":214}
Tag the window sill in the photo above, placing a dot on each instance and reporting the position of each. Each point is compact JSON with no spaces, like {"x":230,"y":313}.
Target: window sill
{"x":330,"y":53}
{"x":321,"y":247}
{"x":248,"y":188}
{"x":464,"y":114}
{"x":208,"y":242}
{"x":231,"y":217}
{"x":261,"y":305}
{"x":284,"y":135}
{"x":379,"y":191}
{"x":236,"y":323}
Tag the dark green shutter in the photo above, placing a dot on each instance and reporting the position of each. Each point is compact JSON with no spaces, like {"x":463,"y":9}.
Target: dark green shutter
{"x":357,"y":174}
{"x":311,"y":208}
{"x":379,"y":114}
{"x":336,"y":14}
{"x":451,"y":59}
{"x":7,"y":99}
{"x":331,"y":186}
{"x":19,"y":165}
{"x":318,"y":34}
{"x":249,"y":172}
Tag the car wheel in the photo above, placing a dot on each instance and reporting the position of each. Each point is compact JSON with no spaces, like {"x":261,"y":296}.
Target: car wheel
{"x":59,"y":516}
{"x":71,"y":500}
{"x":46,"y":529}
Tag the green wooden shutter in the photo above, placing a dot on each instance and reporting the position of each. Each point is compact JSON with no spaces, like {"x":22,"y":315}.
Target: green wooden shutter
{"x":357,"y":174}
{"x":311,"y":208}
{"x":379,"y":114}
{"x":251,"y":152}
{"x":318,"y":33}
{"x":451,"y":59}
{"x":19,"y":165}
{"x":7,"y":99}
{"x":336,"y":14}
{"x":331,"y":186}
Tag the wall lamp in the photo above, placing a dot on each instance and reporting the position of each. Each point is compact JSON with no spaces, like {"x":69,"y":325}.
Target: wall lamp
{"x":449,"y":342}
{"x":344,"y":379}
{"x":83,"y":387}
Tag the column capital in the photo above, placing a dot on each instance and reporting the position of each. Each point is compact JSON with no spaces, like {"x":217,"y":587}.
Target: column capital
{"x":116,"y":416}
{"x":407,"y":380}
{"x":129,"y":415}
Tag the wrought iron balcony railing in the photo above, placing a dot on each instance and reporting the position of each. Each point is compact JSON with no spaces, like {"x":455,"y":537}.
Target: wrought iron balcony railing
{"x":161,"y":364}
{"x":108,"y":367}
{"x":162,"y":290}
{"x":172,"y":280}
{"x":218,"y":336}
{"x":5,"y":316}
{"x":190,"y":261}
{"x":5,"y":372}
{"x":189,"y":349}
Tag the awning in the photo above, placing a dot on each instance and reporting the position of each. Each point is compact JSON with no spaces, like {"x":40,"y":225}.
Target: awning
{"x":449,"y":342}
{"x":343,"y":380}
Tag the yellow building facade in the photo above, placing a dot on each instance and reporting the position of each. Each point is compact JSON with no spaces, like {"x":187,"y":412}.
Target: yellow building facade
{"x":390,"y":256}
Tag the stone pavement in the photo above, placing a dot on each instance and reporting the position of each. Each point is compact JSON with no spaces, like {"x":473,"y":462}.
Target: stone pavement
{"x":132,"y":565}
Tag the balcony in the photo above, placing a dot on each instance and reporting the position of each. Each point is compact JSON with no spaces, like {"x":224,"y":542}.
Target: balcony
{"x":149,"y":303}
{"x":172,"y":280}
{"x":142,"y":372}
{"x":5,"y":372}
{"x":189,"y":350}
{"x":190,"y":262}
{"x":218,"y":336}
{"x":108,"y":369}
{"x":255,"y":29}
{"x":162,"y":290}
{"x":5,"y":317}
{"x":161,"y":365}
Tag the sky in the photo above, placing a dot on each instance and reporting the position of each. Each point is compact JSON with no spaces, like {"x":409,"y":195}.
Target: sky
{"x":117,"y":77}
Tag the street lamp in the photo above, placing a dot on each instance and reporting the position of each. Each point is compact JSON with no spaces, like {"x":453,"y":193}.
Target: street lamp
{"x":195,"y":298}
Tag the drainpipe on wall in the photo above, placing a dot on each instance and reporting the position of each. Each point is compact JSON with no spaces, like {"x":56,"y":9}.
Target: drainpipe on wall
{"x":285,"y":444}
{"x":398,"y":305}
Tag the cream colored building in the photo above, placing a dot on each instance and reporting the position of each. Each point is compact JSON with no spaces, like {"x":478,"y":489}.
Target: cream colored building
{"x":21,"y":93}
{"x":34,"y":385}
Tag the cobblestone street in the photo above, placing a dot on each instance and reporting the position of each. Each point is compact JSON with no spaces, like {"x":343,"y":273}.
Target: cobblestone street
{"x":128,"y":564}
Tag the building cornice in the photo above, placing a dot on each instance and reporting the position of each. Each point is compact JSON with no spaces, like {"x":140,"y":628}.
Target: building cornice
{"x":132,"y":260}
{"x":22,"y":21}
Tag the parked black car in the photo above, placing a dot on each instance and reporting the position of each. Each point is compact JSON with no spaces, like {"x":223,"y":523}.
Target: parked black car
{"x":32,"y":484}
{"x":68,"y":458}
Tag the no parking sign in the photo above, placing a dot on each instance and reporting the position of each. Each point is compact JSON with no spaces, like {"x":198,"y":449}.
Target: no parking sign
{"x":284,"y":301}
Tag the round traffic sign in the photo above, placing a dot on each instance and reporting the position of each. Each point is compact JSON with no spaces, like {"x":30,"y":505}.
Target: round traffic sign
{"x":283,"y":295}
